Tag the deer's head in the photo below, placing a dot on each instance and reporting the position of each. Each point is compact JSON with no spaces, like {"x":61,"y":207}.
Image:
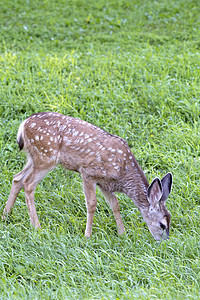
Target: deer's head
{"x":157,"y":216}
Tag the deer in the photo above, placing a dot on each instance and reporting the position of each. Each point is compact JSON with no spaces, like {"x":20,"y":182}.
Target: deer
{"x":102,"y":159}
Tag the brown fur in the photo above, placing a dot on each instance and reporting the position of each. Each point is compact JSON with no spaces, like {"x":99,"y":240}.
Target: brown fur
{"x":101,"y":158}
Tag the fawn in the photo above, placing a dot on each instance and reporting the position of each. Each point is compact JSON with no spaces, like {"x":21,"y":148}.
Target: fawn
{"x":101,"y":158}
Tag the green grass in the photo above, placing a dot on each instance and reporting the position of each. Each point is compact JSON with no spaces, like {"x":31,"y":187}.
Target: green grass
{"x":132,"y":68}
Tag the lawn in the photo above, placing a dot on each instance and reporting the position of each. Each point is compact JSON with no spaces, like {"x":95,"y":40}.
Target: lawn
{"x":133,"y":69}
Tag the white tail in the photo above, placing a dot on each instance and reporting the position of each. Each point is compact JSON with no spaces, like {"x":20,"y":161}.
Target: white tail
{"x":101,"y":158}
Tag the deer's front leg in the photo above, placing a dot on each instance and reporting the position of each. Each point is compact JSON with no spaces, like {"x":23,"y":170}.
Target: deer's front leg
{"x":89,"y":187}
{"x":114,"y":204}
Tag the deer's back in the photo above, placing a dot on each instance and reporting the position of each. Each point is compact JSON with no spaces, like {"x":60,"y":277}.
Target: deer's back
{"x":52,"y":138}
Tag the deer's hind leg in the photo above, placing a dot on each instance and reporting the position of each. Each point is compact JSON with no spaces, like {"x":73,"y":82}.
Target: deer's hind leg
{"x":30,"y":183}
{"x":17,"y":185}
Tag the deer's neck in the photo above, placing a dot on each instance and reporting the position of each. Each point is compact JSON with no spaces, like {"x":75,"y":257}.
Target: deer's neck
{"x":135,"y":186}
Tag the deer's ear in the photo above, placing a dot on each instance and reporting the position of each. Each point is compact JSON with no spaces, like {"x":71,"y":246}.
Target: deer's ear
{"x":154,"y":191}
{"x":166,"y":186}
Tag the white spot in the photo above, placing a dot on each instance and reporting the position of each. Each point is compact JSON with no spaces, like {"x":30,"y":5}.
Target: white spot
{"x":51,"y":139}
{"x":98,"y":158}
{"x":104,"y":173}
{"x":37,"y":138}
{"x":119,"y":151}
{"x":87,"y":136}
{"x":48,"y":143}
{"x":91,"y":153}
{"x":54,"y":151}
{"x":41,"y":138}
{"x":111,"y":149}
{"x":46,"y":150}
{"x":33,"y":125}
{"x":110,"y":159}
{"x":50,"y":149}
{"x":68,"y":131}
{"x":87,"y":150}
{"x":89,"y":140}
{"x":75,"y":133}
{"x":130,"y":157}
{"x":68,"y":142}
{"x":32,"y":140}
{"x":62,"y":127}
{"x":55,"y":140}
{"x":44,"y":131}
{"x":116,"y":168}
{"x":82,"y":133}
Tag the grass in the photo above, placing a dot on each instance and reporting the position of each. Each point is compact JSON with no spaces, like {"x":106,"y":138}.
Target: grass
{"x":132,"y":68}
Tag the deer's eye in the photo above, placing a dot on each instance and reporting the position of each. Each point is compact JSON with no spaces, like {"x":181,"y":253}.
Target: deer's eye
{"x":162,"y":226}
